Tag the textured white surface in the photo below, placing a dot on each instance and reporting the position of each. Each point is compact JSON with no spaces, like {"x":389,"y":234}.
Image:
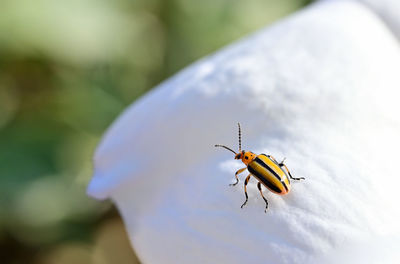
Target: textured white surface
{"x":388,"y":10}
{"x":320,"y":88}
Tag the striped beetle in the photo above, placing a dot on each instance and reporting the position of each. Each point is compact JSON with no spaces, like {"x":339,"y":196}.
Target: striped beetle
{"x":270,"y":173}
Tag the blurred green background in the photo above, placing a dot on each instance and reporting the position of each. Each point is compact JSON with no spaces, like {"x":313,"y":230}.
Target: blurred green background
{"x":67,"y":69}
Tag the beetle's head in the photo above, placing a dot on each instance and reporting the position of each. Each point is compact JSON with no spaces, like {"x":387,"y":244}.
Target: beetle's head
{"x":246,"y":156}
{"x":239,"y":155}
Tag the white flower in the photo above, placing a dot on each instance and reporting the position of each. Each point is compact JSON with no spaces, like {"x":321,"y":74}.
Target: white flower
{"x":320,"y":88}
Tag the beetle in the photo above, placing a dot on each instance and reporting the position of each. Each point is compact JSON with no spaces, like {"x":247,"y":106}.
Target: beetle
{"x":272,"y":174}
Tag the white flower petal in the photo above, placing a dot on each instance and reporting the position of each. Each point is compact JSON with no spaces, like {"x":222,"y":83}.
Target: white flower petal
{"x":320,"y":88}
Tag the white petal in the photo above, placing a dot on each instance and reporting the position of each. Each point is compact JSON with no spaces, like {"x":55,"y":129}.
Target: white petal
{"x":320,"y":88}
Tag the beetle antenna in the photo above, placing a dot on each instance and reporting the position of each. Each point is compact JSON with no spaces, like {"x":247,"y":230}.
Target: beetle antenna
{"x":240,"y":138}
{"x":222,"y":146}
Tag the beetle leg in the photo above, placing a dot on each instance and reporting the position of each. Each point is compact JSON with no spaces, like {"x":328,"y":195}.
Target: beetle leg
{"x":246,"y":181}
{"x":236,"y":175}
{"x":266,"y":202}
{"x":290,"y":175}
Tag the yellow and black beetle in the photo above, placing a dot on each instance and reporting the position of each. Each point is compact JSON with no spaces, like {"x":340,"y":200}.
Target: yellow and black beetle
{"x":270,"y":173}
